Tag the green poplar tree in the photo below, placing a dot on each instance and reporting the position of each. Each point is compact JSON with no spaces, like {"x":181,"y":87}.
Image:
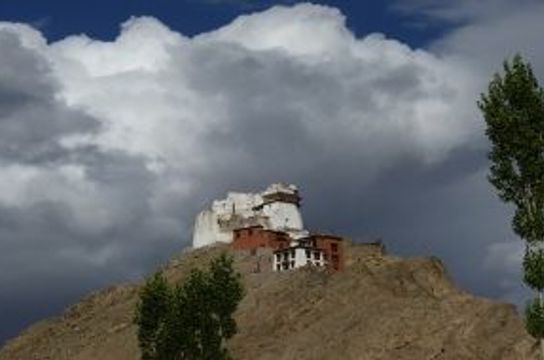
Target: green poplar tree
{"x":191,"y":320}
{"x":513,"y":110}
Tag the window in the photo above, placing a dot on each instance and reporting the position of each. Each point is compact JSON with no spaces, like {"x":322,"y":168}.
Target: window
{"x":293,"y":254}
{"x":317,"y":264}
{"x":278,"y":267}
{"x":334,"y":247}
{"x":317,"y":255}
{"x":292,"y":264}
{"x":285,"y":266}
{"x":278,"y":257}
{"x":285,"y":256}
{"x":308,"y":254}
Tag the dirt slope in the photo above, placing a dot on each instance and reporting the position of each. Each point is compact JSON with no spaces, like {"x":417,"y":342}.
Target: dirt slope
{"x":381,"y":307}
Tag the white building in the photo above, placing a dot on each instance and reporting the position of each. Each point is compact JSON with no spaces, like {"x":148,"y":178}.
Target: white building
{"x":299,"y":253}
{"x":276,"y":208}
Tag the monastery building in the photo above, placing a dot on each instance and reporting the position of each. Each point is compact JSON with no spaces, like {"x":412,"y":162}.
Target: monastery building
{"x":270,"y":219}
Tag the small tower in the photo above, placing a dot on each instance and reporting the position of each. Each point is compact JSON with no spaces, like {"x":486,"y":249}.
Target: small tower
{"x":280,"y":205}
{"x":283,"y":193}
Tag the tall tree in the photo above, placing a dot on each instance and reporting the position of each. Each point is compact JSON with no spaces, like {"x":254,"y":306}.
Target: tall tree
{"x":513,"y":110}
{"x":198,"y":314}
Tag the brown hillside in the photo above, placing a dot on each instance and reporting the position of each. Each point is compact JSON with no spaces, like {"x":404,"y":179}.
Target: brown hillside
{"x":381,"y":307}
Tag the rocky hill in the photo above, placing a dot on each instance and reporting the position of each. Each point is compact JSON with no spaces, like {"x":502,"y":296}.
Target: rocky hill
{"x":381,"y":307}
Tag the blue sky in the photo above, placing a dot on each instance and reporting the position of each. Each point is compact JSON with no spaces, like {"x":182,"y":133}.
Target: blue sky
{"x":101,"y":18}
{"x":120,"y":120}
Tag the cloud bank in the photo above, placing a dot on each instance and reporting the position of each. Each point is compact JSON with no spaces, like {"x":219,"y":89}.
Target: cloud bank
{"x":108,"y":149}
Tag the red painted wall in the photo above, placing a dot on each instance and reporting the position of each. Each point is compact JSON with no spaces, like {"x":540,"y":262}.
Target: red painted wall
{"x":333,"y":249}
{"x":255,"y":237}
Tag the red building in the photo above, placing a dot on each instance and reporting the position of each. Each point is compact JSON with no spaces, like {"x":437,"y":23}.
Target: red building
{"x":332,"y":249}
{"x":253,"y":237}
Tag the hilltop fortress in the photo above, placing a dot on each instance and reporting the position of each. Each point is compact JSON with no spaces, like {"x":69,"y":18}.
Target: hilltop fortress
{"x":276,"y":208}
{"x":270,"y":219}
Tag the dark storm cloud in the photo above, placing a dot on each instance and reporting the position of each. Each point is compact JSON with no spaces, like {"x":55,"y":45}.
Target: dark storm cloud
{"x":49,"y":259}
{"x":46,"y":263}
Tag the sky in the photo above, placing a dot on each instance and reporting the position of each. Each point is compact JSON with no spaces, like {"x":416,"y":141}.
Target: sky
{"x":119,"y":122}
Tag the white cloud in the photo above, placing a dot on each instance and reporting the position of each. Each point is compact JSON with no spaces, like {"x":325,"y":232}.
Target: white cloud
{"x":304,"y":30}
{"x":161,"y":101}
{"x":487,"y":43}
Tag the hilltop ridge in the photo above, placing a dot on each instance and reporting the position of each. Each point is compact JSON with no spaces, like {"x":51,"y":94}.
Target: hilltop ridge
{"x":380,"y":307}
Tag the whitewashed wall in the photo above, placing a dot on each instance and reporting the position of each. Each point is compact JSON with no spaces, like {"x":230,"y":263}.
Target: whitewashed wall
{"x":239,"y":206}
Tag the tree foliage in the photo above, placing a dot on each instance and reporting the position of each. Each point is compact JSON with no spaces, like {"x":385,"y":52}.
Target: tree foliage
{"x":197,"y":318}
{"x":514,"y":113}
{"x":534,"y":318}
{"x":533,"y":268}
{"x":513,"y":110}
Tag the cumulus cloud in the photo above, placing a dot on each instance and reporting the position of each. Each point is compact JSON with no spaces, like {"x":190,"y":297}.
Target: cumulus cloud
{"x":111,"y":147}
